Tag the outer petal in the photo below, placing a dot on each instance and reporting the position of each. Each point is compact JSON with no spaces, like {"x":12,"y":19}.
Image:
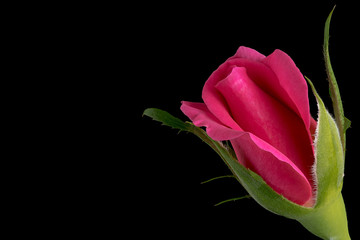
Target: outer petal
{"x":211,"y":96}
{"x":260,"y":73}
{"x":248,"y":53}
{"x":274,"y":167}
{"x":202,"y":117}
{"x":213,"y":99}
{"x":292,"y":81}
{"x":254,"y":153}
{"x":260,"y":114}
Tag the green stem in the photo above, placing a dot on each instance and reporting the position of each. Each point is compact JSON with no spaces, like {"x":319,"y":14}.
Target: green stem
{"x":328,"y":222}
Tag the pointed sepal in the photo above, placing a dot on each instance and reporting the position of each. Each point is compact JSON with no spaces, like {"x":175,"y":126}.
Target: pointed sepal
{"x":259,"y":190}
{"x":328,"y":169}
{"x":342,"y":122}
{"x":327,"y":219}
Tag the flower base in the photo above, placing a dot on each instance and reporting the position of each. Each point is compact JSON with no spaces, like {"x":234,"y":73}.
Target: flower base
{"x":328,"y":222}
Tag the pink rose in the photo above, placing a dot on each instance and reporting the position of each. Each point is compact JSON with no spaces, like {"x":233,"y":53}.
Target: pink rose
{"x":261,"y":105}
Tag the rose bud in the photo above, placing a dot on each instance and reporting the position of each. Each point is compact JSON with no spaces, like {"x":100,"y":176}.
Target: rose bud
{"x":290,"y":163}
{"x":260,"y":104}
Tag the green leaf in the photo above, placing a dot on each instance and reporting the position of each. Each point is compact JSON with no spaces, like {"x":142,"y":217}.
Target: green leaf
{"x":329,"y":157}
{"x":342,"y":122}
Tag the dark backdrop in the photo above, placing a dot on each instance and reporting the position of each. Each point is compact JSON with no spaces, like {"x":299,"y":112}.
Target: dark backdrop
{"x":174,"y":49}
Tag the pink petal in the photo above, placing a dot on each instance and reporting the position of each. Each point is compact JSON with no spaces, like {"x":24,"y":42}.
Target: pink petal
{"x":260,"y":114}
{"x":265,"y":78}
{"x":275,"y":168}
{"x":248,"y":53}
{"x":211,"y":96}
{"x":292,"y":81}
{"x":213,"y":99}
{"x":202,"y":117}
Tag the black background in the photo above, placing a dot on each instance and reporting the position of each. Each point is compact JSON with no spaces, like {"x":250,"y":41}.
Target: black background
{"x":173,"y":50}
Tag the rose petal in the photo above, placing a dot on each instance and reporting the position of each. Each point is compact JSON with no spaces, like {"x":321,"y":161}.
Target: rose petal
{"x":274,"y":167}
{"x":211,"y":96}
{"x":265,"y":78}
{"x":260,"y":114}
{"x":202,"y":117}
{"x":213,"y":99}
{"x":292,"y":81}
{"x":248,"y":53}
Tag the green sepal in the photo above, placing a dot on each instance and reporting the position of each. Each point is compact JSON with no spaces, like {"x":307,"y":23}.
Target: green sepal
{"x":252,"y":182}
{"x":342,"y":122}
{"x":166,"y":119}
{"x":329,"y":159}
{"x":327,"y":219}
